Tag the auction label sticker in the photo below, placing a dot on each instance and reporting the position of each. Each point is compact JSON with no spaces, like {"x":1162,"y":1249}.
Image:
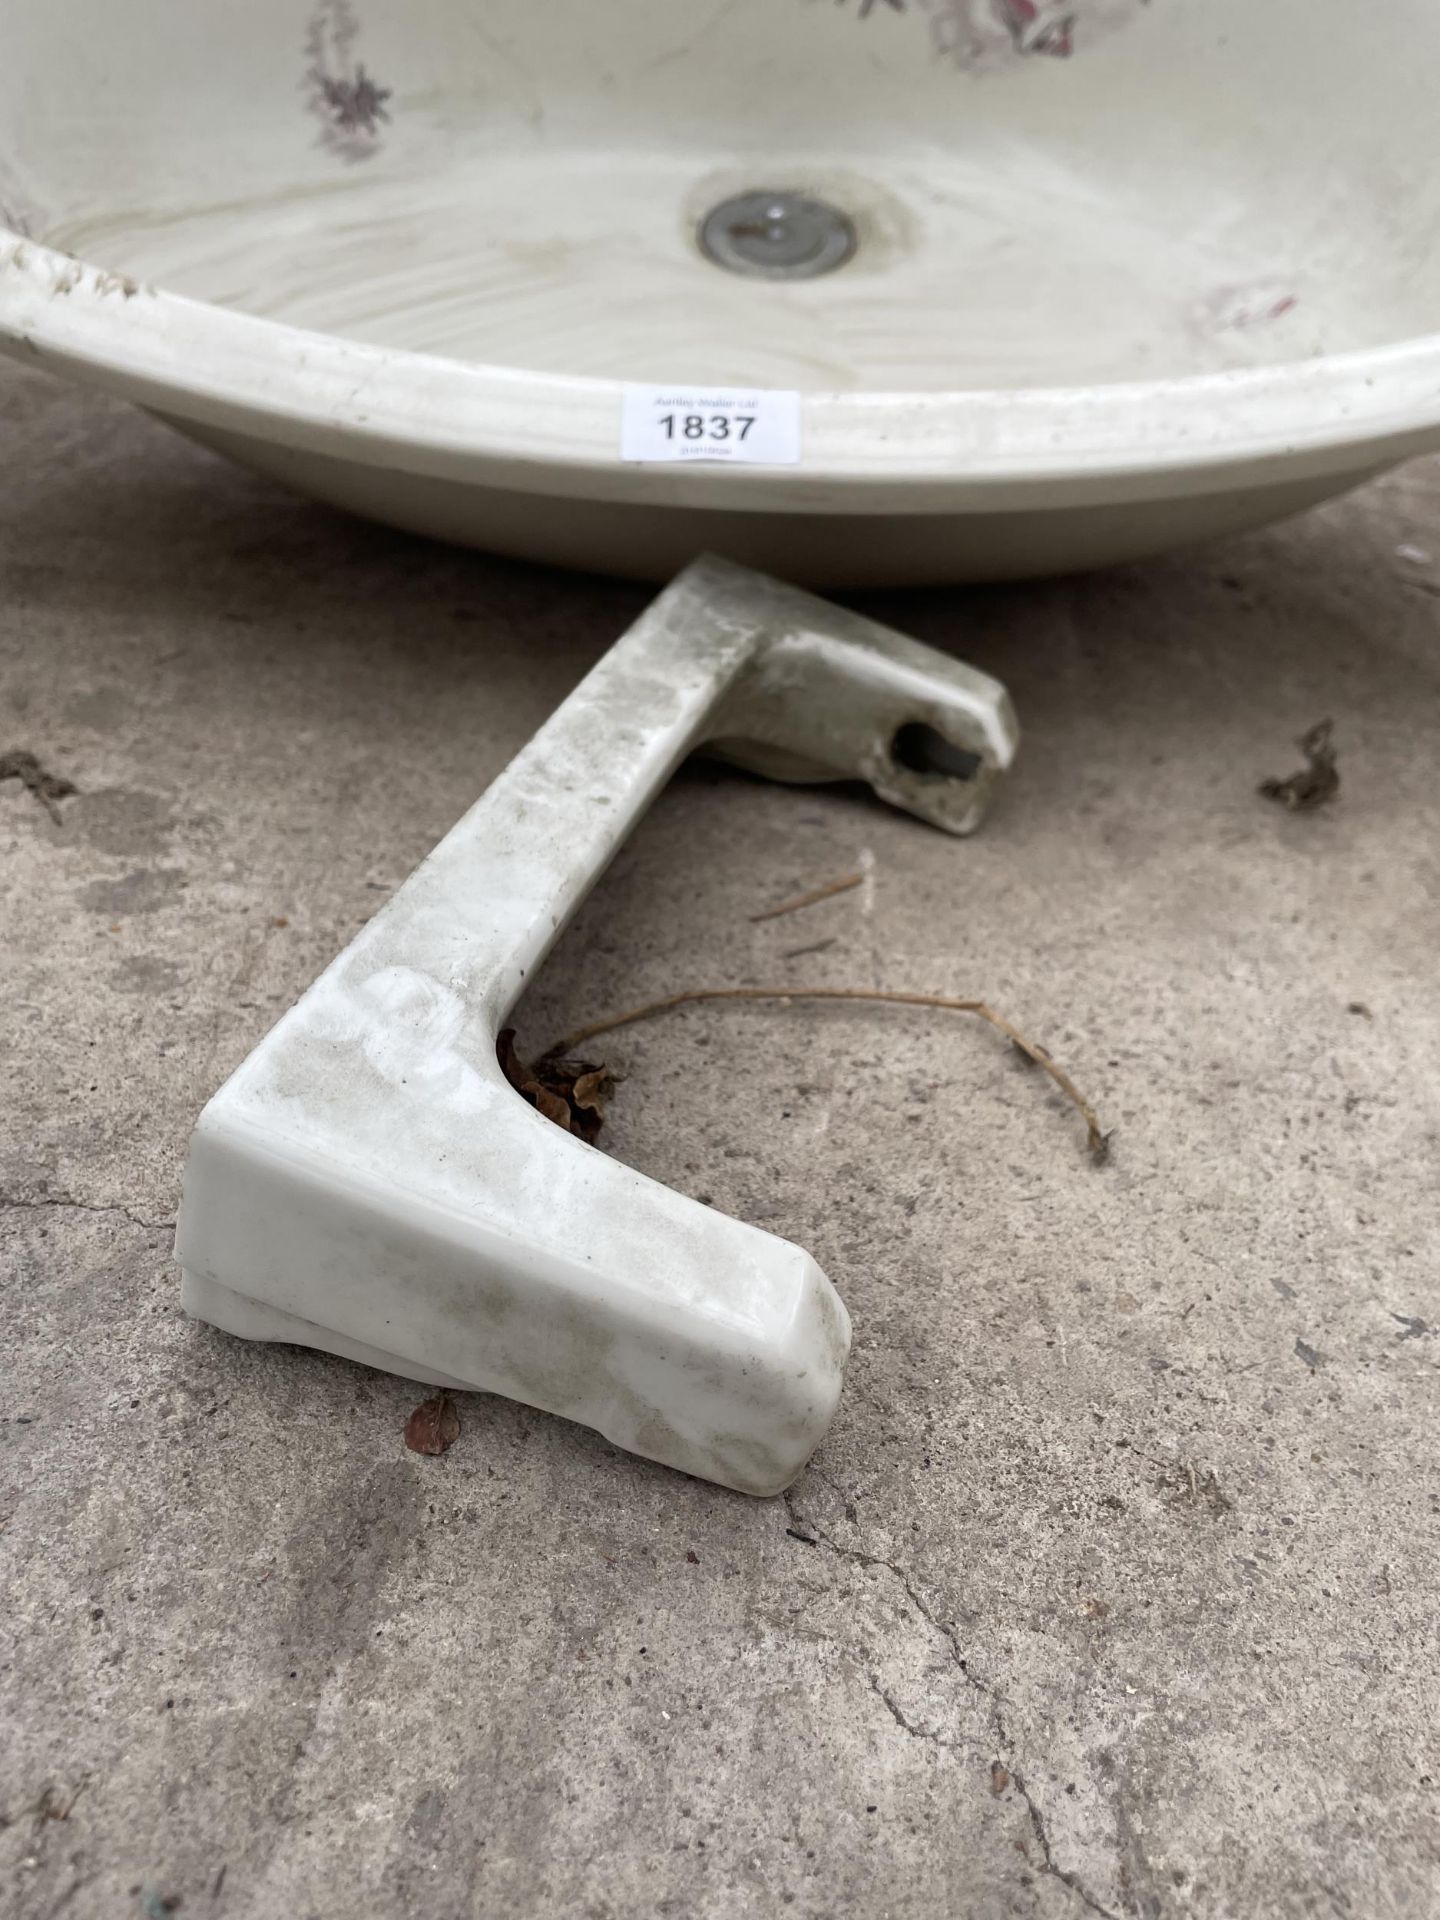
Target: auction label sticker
{"x":757,"y":427}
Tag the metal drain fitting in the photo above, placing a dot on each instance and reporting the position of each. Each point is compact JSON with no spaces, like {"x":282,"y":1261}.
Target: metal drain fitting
{"x":773,"y":234}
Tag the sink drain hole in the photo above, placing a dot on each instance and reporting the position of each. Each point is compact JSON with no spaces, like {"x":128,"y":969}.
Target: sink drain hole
{"x":774,"y":234}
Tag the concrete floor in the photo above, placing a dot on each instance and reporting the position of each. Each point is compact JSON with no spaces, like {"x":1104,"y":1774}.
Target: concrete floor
{"x":1113,"y":1588}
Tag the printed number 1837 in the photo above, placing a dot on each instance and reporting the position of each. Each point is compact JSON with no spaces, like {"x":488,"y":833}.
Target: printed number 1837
{"x":699,"y":426}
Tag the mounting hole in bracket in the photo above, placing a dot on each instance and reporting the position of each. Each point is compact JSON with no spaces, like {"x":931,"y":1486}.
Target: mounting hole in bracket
{"x":921,"y":748}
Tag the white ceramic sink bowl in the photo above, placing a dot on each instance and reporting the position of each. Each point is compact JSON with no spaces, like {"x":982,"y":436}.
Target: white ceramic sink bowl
{"x":1124,"y":274}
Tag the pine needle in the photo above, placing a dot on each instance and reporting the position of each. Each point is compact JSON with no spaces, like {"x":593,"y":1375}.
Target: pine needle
{"x":1096,"y":1139}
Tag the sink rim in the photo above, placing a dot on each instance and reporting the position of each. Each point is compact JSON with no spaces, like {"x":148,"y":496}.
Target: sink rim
{"x":874,"y":450}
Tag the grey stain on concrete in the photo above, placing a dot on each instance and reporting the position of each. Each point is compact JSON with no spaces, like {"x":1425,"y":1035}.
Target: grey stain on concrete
{"x":101,"y":709}
{"x":1087,"y":1514}
{"x":143,"y":973}
{"x":123,"y":821}
{"x":143,"y":890}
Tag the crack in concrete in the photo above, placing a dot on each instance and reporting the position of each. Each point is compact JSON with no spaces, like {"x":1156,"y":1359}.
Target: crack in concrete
{"x":898,"y":1716}
{"x":20,"y":1204}
{"x":998,"y":1719}
{"x":1042,"y":1840}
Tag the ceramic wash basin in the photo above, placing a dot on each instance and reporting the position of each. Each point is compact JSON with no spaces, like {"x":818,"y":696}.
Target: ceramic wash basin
{"x":1009,"y":286}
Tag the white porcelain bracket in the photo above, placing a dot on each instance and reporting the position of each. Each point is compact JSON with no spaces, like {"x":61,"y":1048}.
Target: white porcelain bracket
{"x":368,"y":1183}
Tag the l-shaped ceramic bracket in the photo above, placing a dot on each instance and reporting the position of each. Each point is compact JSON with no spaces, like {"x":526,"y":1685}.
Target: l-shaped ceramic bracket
{"x":368,"y":1183}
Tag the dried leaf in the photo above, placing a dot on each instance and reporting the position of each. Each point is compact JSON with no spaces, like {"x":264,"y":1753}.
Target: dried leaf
{"x":999,"y":1778}
{"x":47,"y":787}
{"x":550,"y":1104}
{"x":1314,"y":783}
{"x":434,"y":1426}
{"x":590,"y":1089}
{"x":1189,"y":1486}
{"x":572,"y":1093}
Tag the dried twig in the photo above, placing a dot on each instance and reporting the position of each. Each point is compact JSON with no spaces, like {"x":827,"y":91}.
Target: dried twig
{"x":51,"y":1805}
{"x":1097,"y":1140}
{"x":811,"y":899}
